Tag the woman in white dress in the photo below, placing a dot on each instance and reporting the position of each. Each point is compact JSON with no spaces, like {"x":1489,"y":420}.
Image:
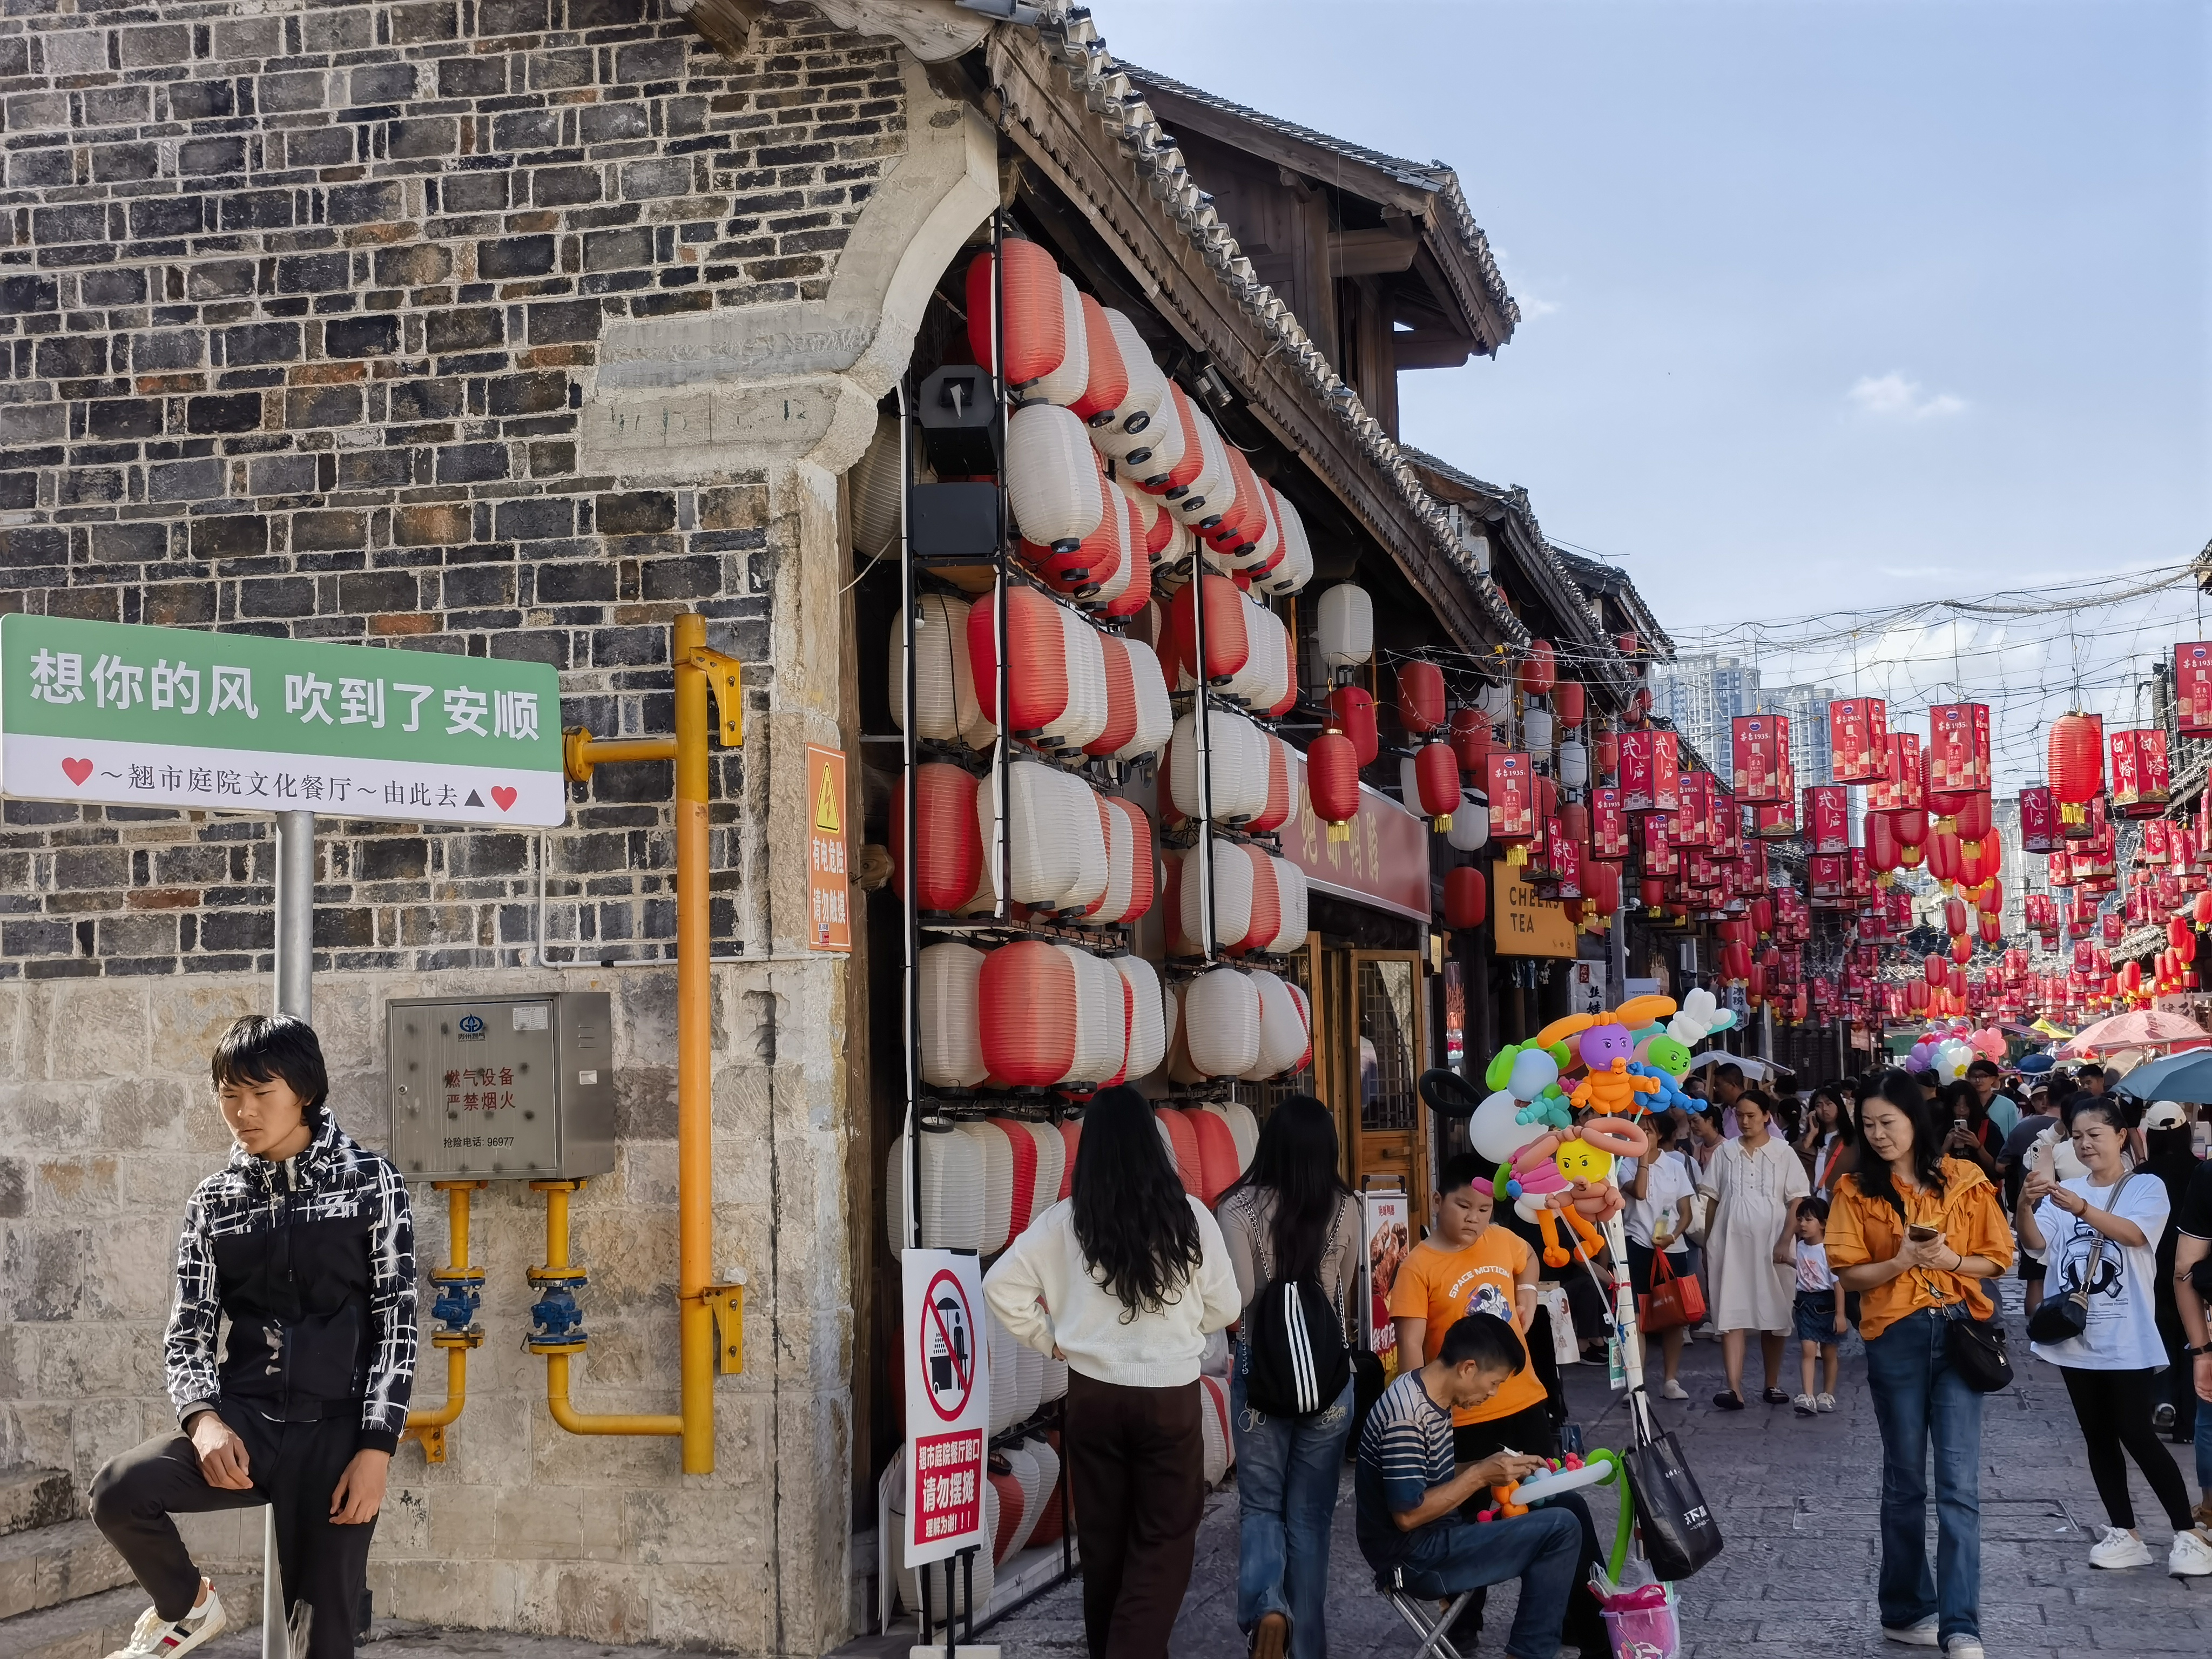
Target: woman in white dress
{"x":1751,"y":1188}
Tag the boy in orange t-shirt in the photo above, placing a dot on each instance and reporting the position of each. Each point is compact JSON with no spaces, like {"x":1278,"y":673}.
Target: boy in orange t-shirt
{"x":1467,"y":1266}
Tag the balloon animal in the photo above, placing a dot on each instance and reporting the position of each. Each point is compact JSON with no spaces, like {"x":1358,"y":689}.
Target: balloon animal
{"x":1569,"y":1176}
{"x":1701,"y":1016}
{"x":1604,"y":1045}
{"x":1529,"y":1072}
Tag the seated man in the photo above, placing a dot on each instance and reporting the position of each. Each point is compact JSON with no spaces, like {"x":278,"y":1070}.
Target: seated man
{"x":1409,"y":1491}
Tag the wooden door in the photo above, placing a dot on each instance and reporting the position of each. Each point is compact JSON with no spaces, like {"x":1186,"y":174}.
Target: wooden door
{"x":1383,"y":1009}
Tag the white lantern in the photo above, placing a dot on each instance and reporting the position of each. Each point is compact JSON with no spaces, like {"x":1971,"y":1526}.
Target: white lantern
{"x":1028,"y":1475}
{"x":1064,"y":385}
{"x":1283,"y":1034}
{"x":1087,"y":710}
{"x":1101,"y":1028}
{"x":1051,"y":1167}
{"x":1497,"y":702}
{"x":1215,"y":487}
{"x":1147,"y":1017}
{"x":1470,"y":825}
{"x":1238,"y":751}
{"x":1231,"y":893}
{"x":1155,"y":713}
{"x":998,"y":1186}
{"x":1052,"y":477}
{"x":1574,"y":764}
{"x":1132,"y":427}
{"x":1047,"y":845}
{"x":951,"y":1192}
{"x":1295,"y":570}
{"x":952,"y":1041}
{"x":1344,"y":621}
{"x":878,"y":501}
{"x":1290,"y":899}
{"x":1221,"y":1015}
{"x":944,"y":681}
{"x":1536,"y":731}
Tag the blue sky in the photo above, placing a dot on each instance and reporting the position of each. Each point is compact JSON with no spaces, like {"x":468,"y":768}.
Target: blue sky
{"x":1827,"y":302}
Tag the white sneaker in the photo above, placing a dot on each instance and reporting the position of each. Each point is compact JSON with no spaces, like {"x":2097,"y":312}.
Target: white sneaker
{"x":1826,"y":1402}
{"x":1673,"y":1390}
{"x":1803,"y":1405}
{"x":155,"y":1637}
{"x":2190,"y":1555}
{"x":2119,"y":1547}
{"x":1922,"y":1635}
{"x":1963,"y":1647}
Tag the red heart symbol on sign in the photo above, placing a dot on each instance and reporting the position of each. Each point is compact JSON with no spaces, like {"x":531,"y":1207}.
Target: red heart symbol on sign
{"x":502,"y":797}
{"x":78,"y":770}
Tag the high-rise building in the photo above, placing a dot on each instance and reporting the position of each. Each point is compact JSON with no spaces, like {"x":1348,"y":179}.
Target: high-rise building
{"x":1702,"y":696}
{"x":1806,"y":707}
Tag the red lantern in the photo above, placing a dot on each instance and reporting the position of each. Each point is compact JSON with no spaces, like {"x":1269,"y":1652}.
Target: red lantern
{"x":1601,"y":886}
{"x":1568,"y":703}
{"x":2077,"y":766}
{"x":1972,"y":813}
{"x":1421,"y":697}
{"x":1911,"y":829}
{"x":1355,"y":717}
{"x":2200,"y":909}
{"x":949,"y":858}
{"x":1332,"y":783}
{"x":1943,"y":857}
{"x":1032,"y":316}
{"x":1954,"y":919}
{"x":1932,"y":969}
{"x":1955,"y":981}
{"x":1227,"y":648}
{"x":1036,"y":659}
{"x":1435,"y":769}
{"x":1467,"y":898}
{"x":1539,"y":671}
{"x":1881,"y":843}
{"x":1604,"y":753}
{"x":1470,"y":740}
{"x":1025,"y":1007}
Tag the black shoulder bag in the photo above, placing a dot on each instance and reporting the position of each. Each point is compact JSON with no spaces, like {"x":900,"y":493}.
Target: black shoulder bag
{"x":1975,"y":1347}
{"x":2063,"y":1318}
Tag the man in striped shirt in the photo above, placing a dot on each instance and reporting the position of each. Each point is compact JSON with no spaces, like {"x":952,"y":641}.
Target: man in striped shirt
{"x":1408,"y":1492}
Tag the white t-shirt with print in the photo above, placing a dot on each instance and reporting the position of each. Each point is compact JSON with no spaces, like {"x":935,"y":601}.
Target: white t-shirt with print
{"x":1669,"y":1185}
{"x":2121,"y":1334}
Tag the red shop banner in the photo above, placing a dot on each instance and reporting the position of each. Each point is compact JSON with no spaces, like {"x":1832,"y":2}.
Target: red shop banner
{"x":2141,"y":784}
{"x":1650,"y":771}
{"x":1608,"y":824}
{"x":1759,"y":746}
{"x":1959,"y":747}
{"x":1902,"y":786}
{"x":1660,"y":858}
{"x":1858,"y":728}
{"x":1512,"y":796}
{"x":2038,"y":819}
{"x":1828,"y":818}
{"x":2193,"y":687}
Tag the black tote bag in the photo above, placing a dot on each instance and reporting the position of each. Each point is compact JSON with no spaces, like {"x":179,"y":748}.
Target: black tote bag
{"x":1679,"y":1533}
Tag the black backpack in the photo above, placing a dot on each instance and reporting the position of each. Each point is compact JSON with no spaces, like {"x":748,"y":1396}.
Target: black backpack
{"x":1298,"y":1361}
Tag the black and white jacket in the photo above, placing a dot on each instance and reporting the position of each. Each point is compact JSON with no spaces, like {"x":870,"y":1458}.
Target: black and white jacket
{"x":312,"y":1261}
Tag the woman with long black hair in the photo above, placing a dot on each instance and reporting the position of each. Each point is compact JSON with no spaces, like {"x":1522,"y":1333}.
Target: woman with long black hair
{"x":1125,"y":1279}
{"x":1290,"y":1219}
{"x":1916,"y":1233}
{"x":1830,"y":1144}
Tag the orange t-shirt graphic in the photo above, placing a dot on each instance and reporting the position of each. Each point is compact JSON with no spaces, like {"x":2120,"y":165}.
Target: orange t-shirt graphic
{"x":1443,"y":1286}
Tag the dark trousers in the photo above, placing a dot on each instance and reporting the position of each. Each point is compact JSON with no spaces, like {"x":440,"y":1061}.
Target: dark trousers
{"x":294,"y":1467}
{"x":1136,"y":1468}
{"x":2114,"y":1408}
{"x":1531,"y":1431}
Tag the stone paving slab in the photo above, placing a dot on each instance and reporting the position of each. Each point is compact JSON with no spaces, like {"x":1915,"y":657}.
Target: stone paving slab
{"x":1797,"y":1500}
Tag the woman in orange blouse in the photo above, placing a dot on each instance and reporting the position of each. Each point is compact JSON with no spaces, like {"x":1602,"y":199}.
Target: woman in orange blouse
{"x":1910,"y":1287}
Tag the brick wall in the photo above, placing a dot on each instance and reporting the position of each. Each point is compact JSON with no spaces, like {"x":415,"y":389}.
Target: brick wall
{"x":298,"y":312}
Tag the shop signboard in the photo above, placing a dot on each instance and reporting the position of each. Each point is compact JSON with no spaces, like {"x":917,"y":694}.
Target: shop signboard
{"x":1511,"y":783}
{"x":1529,"y":924}
{"x":122,"y":715}
{"x":1828,"y":820}
{"x":1608,"y":824}
{"x":1693,"y":825}
{"x":1959,"y":747}
{"x":829,"y":879}
{"x":1902,"y":787}
{"x":2038,"y":819}
{"x":1385,"y":862}
{"x":1387,"y":1219}
{"x":948,"y":1402}
{"x":2140,"y":782}
{"x":1588,"y":989}
{"x":1650,"y":771}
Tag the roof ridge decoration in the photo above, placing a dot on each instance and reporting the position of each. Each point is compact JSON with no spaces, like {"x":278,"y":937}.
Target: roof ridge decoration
{"x":1073,"y":39}
{"x":1434,"y":177}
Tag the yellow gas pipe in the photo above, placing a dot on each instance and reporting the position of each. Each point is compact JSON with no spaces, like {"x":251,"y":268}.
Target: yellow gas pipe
{"x":458,"y":1279}
{"x":699,"y":673}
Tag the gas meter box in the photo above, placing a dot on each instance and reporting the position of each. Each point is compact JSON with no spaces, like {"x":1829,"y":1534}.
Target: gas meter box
{"x":502,"y":1087}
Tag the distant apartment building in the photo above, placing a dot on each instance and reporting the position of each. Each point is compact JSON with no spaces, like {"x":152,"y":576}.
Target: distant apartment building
{"x":1701,"y":695}
{"x":1806,"y":707}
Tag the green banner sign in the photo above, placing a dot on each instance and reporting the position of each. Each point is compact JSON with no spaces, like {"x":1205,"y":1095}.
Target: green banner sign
{"x":122,"y":715}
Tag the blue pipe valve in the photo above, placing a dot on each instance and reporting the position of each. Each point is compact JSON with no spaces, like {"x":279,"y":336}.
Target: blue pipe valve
{"x":459,"y":1296}
{"x":556,"y":1320}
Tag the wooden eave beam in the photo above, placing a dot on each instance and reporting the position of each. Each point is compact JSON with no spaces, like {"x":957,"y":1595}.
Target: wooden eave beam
{"x":1377,"y":252}
{"x":1071,"y":146}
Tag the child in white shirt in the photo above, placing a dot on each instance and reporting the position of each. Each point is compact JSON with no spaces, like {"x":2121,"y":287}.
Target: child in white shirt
{"x":1816,"y":1311}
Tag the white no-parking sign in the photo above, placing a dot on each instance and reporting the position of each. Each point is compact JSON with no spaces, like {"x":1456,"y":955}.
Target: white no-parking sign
{"x":948,"y":1403}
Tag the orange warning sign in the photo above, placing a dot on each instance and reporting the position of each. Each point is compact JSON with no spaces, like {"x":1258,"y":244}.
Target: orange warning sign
{"x":829,"y":885}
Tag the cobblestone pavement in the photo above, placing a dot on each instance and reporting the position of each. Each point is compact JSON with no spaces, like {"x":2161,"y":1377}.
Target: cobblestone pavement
{"x":1797,"y":1500}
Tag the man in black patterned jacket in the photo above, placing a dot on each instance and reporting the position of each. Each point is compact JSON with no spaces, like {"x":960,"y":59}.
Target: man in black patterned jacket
{"x":304,"y":1243}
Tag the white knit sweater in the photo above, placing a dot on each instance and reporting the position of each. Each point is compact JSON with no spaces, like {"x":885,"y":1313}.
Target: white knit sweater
{"x":1042,"y":1291}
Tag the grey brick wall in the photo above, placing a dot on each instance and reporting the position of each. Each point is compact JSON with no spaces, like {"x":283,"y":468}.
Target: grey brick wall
{"x":297,"y":313}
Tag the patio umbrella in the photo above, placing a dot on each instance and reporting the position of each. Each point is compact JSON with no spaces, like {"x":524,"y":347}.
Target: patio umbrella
{"x":2145,"y":1028}
{"x":2184,"y":1077}
{"x":1755,"y":1070}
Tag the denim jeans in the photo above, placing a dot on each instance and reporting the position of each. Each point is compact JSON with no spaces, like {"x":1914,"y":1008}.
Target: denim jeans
{"x":2204,"y":1459}
{"x":1287,"y":1479}
{"x":1539,"y":1548}
{"x":1919,"y":1401}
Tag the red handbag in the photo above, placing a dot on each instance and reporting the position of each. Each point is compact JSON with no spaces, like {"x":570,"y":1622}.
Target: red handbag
{"x":1674,"y":1300}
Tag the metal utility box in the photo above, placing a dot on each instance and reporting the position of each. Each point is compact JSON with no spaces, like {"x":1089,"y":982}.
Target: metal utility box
{"x":515,"y":1087}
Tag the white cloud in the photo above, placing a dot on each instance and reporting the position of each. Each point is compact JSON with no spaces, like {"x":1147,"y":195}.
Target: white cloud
{"x":1893,"y":398}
